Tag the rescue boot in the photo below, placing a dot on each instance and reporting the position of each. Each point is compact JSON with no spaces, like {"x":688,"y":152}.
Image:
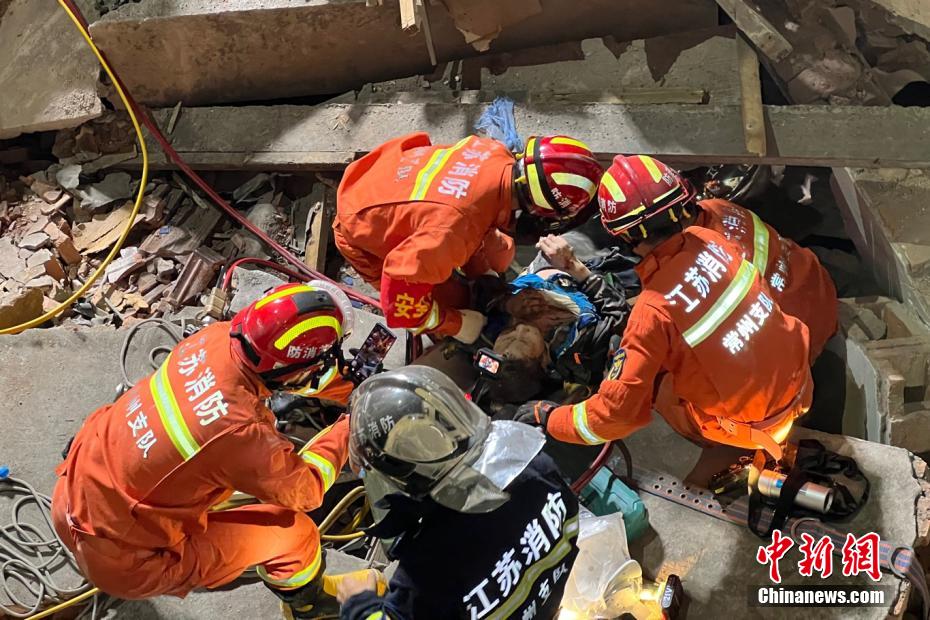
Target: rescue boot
{"x":317,"y":599}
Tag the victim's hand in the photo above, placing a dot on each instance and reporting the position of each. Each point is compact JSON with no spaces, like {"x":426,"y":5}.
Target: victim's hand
{"x":560,"y":255}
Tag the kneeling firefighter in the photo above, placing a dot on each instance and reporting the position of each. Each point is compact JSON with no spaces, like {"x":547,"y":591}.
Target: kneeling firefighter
{"x":460,"y":490}
{"x":706,"y":341}
{"x":413,"y":217}
{"x":134,"y":498}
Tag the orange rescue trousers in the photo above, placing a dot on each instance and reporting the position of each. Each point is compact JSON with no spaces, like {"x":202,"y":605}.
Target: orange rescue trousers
{"x":284,"y":542}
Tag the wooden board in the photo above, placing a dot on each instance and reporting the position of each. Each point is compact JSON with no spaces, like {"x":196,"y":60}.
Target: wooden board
{"x":751,"y":97}
{"x":757,"y":28}
{"x":320,"y":230}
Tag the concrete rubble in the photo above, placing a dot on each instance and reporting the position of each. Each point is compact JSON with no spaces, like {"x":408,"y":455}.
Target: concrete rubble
{"x":54,"y":234}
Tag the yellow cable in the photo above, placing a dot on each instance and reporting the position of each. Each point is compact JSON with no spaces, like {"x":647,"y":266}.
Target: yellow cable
{"x":341,"y":507}
{"x":73,"y":601}
{"x":135,"y":209}
{"x":341,"y":537}
{"x":361,"y":514}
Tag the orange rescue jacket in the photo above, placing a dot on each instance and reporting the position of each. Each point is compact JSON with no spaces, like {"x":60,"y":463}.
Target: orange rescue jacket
{"x":145,"y":470}
{"x":410,"y":213}
{"x":708,"y":319}
{"x":799,"y":283}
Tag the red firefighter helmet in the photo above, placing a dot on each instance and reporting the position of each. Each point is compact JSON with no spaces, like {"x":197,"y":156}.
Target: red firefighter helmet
{"x":293,"y":332}
{"x":636,"y":188}
{"x":560,"y":175}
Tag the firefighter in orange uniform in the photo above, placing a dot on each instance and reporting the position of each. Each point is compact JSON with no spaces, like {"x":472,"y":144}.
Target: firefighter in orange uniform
{"x":706,"y":343}
{"x":799,"y":283}
{"x":136,"y":488}
{"x":410,"y":214}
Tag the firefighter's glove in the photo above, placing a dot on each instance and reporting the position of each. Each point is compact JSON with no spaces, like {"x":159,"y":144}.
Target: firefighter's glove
{"x":535,"y":412}
{"x":283,"y":403}
{"x":472,"y":324}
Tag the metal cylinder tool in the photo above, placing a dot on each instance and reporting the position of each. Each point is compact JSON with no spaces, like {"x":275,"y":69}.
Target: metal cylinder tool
{"x":811,"y":495}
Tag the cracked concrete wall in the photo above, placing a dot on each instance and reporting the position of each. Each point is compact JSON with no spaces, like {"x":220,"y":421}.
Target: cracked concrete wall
{"x":887,"y":213}
{"x":48,"y":76}
{"x":203,"y":52}
{"x":703,"y":60}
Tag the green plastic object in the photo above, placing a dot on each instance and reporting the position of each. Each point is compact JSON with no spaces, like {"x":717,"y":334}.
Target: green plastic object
{"x":606,"y":494}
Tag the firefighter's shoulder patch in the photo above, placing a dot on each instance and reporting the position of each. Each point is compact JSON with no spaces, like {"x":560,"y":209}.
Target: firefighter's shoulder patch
{"x":616,"y":365}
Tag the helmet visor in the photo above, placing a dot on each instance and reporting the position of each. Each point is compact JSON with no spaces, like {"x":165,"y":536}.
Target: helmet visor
{"x":412,"y":425}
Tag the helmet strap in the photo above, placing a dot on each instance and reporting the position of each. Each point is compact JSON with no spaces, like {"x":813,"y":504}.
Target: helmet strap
{"x":271,"y":376}
{"x":247,"y":347}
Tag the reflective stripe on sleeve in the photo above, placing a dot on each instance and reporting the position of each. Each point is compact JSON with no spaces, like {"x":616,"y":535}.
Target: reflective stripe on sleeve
{"x":580,"y":421}
{"x":170,"y":414}
{"x":327,"y":470}
{"x":298,"y":579}
{"x":427,"y":173}
{"x":723,"y":307}
{"x":760,"y":242}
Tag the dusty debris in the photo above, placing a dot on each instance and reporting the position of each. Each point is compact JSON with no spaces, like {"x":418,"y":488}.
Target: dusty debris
{"x":58,"y":223}
{"x":165,"y":270}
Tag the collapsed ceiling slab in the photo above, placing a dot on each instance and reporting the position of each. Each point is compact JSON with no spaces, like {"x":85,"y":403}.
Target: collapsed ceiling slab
{"x":202,"y":52}
{"x":314,"y":137}
{"x":48,"y":76}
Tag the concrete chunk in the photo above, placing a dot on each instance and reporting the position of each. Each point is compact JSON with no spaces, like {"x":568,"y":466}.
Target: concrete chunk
{"x":17,"y":308}
{"x":203,"y":52}
{"x":49,"y":74}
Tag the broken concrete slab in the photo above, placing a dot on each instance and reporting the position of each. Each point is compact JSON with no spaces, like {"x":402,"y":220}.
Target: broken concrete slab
{"x":885,"y":348}
{"x":249,"y":285}
{"x":243,"y":50}
{"x":676,"y":133}
{"x":702,"y":61}
{"x":887,"y":214}
{"x":911,"y":15}
{"x":49,"y":68}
